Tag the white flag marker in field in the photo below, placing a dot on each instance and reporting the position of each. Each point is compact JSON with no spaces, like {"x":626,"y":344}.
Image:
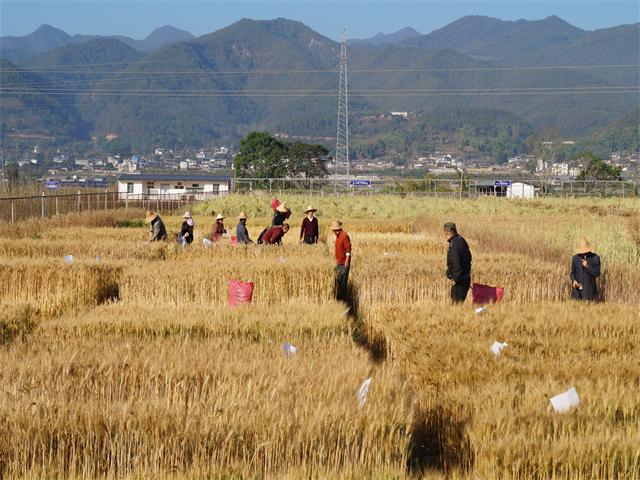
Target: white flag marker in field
{"x":480,"y":310}
{"x":68,"y":259}
{"x":364,"y":391}
{"x":497,"y":347}
{"x":289,"y":350}
{"x":563,"y":402}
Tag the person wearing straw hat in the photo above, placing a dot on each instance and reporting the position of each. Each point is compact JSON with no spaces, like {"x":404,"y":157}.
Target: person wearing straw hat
{"x":186,"y":232}
{"x":343,"y":260}
{"x":458,"y":263}
{"x":281,"y":214}
{"x":242,"y":234}
{"x":218,"y":230}
{"x":585,"y":268}
{"x":157,"y":230}
{"x":309,"y":228}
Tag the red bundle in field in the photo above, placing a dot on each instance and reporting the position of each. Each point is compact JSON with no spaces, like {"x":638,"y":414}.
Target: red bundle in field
{"x":234,"y":240}
{"x":482,"y":294}
{"x":240,"y":292}
{"x":275,"y":203}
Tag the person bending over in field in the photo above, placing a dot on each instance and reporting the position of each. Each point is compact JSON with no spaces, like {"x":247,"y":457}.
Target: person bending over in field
{"x":281,"y":214}
{"x":274,"y":235}
{"x":458,"y":263}
{"x":242,"y":234}
{"x":585,"y":268}
{"x":218,"y":229}
{"x":309,"y":228}
{"x":186,"y":232}
{"x":157,"y":230}
{"x":343,"y":260}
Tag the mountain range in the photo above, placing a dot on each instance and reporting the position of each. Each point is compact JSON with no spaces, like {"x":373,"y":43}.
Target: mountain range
{"x":47,"y":38}
{"x":279,"y":75}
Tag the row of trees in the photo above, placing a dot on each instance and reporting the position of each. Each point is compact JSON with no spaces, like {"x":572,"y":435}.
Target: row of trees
{"x":264,"y":156}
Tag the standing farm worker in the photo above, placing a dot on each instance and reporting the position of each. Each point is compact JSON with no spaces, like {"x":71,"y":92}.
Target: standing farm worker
{"x":309,"y":228}
{"x":281,"y":214}
{"x":242,"y":234}
{"x":458,"y":263}
{"x":186,"y":232}
{"x":158,"y":231}
{"x":585,"y":268}
{"x":274,"y":235}
{"x":343,"y":260}
{"x":218,"y":228}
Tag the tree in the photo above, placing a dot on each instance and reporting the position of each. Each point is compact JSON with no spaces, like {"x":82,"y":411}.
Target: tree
{"x":307,"y":159}
{"x":261,"y":156}
{"x":594,"y":168}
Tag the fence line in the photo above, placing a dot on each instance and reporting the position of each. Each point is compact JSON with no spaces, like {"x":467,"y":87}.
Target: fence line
{"x":13,"y":209}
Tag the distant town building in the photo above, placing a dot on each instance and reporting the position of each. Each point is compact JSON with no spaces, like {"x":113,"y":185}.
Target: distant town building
{"x":172,"y":185}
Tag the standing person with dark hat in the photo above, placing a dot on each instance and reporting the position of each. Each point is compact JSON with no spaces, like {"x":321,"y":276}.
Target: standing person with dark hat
{"x":585,"y":268}
{"x":343,"y":260}
{"x":458,"y":263}
{"x":309,"y":229}
{"x":242,"y":234}
{"x":158,"y":232}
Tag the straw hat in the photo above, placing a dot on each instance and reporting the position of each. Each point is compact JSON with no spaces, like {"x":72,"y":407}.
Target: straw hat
{"x":151,"y":216}
{"x":310,"y":209}
{"x":336,"y":225}
{"x":187,"y":215}
{"x":584,"y":246}
{"x":243,"y":216}
{"x":282,"y":208}
{"x":219,"y":217}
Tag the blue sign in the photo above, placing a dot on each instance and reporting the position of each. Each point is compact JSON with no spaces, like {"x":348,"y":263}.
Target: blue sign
{"x":51,"y":184}
{"x":502,"y":183}
{"x":360,"y":183}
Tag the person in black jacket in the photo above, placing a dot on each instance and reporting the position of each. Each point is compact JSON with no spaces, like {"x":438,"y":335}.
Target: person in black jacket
{"x":585,"y":268}
{"x":458,"y":263}
{"x":186,"y":232}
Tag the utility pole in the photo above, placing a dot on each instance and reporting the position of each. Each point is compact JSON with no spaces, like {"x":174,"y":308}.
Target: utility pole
{"x":342,"y":135}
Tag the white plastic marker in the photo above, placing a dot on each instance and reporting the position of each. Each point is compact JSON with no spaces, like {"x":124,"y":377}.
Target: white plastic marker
{"x":480,"y":310}
{"x":283,"y":260}
{"x":497,"y":347}
{"x":68,"y":259}
{"x":98,"y":258}
{"x":563,"y":402}
{"x":289,"y":350}
{"x":206,"y":242}
{"x":364,"y":391}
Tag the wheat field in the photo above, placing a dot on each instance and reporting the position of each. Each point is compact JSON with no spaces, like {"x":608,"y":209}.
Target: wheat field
{"x":126,"y":362}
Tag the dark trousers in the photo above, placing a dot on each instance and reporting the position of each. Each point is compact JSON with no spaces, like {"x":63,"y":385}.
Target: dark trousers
{"x":459,"y":290}
{"x":342,"y":282}
{"x":310,"y":240}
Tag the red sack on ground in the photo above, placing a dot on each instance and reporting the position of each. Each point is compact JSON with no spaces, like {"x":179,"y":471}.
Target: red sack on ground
{"x":275,"y":203}
{"x":239,"y":292}
{"x":234,"y":240}
{"x":482,"y":294}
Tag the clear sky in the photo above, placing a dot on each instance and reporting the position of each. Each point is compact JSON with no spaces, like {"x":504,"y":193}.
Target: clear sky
{"x":362,"y":19}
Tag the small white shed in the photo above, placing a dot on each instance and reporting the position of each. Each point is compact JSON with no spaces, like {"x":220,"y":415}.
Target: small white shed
{"x":521,"y":190}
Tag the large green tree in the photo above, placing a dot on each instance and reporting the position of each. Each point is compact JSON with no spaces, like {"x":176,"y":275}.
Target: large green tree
{"x":263,"y":156}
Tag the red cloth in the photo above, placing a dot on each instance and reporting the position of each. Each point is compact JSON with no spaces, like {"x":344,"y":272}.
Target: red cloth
{"x":239,"y":292}
{"x":273,"y":236}
{"x":343,"y":246}
{"x":482,"y":294}
{"x":234,"y":240}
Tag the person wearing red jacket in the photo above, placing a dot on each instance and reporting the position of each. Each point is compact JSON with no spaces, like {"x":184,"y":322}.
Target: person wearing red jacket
{"x":343,"y":260}
{"x":274,"y":235}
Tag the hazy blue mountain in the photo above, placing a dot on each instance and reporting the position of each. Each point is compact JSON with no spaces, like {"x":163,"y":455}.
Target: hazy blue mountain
{"x":500,"y":40}
{"x":400,"y":36}
{"x":43,"y":39}
{"x":47,"y":38}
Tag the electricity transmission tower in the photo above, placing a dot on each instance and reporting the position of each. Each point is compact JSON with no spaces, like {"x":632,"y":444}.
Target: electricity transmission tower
{"x":342,"y":136}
